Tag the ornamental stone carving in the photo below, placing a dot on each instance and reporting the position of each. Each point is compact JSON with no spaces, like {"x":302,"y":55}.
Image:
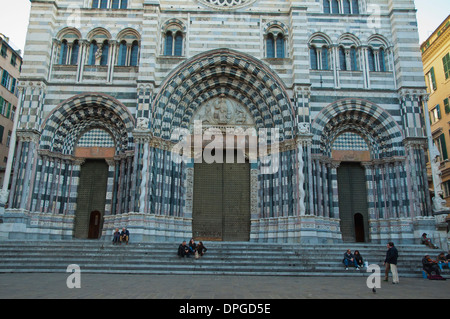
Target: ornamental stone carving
{"x":223,"y":111}
{"x":226,"y":4}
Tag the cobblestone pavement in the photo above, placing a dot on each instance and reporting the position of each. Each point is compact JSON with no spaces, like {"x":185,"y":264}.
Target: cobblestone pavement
{"x":109,"y":286}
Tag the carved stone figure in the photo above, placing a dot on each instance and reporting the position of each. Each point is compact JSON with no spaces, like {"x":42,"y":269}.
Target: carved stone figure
{"x":142,"y":123}
{"x":223,"y":111}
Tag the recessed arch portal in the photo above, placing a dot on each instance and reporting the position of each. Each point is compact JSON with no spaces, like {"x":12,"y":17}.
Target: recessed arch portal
{"x":381,"y":133}
{"x":64,"y":126}
{"x":223,"y":72}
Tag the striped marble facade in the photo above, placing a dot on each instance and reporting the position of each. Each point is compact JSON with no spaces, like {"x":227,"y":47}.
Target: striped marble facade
{"x":363,"y":94}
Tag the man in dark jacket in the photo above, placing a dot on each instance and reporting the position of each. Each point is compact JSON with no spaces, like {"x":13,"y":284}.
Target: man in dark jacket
{"x":183,"y":249}
{"x":391,"y":263}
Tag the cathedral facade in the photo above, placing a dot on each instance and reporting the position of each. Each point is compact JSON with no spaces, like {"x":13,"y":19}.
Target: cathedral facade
{"x":111,"y":92}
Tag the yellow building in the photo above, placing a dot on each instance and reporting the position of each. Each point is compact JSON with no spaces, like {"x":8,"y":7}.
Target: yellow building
{"x":436,"y":67}
{"x":10,"y":66}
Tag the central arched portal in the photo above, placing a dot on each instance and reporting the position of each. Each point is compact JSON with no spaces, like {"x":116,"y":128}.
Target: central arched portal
{"x":221,"y":90}
{"x":221,"y":208}
{"x":221,"y":203}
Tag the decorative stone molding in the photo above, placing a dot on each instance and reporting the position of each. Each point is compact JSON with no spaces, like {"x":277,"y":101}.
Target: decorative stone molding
{"x":226,"y":4}
{"x":28,"y":136}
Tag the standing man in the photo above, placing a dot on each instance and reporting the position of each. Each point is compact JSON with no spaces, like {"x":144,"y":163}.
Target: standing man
{"x":391,"y":263}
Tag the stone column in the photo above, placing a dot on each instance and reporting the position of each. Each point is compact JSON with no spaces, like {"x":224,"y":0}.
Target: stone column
{"x":142,"y":138}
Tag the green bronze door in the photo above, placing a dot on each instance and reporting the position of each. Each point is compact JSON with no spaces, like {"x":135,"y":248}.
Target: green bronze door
{"x":91,"y":199}
{"x":221,"y":207}
{"x":353,"y":207}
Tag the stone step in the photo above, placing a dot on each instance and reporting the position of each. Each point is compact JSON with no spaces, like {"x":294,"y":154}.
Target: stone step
{"x":231,"y":258}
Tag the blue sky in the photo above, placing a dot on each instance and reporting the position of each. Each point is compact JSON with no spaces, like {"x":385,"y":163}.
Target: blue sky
{"x":14,"y":18}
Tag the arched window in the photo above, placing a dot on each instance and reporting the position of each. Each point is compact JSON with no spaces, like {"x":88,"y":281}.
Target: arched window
{"x":122,"y":59}
{"x":342,"y":59}
{"x":377,"y":55}
{"x":275,"y":44}
{"x":63,"y":52}
{"x":115,"y":4}
{"x":324,"y":61}
{"x":92,"y":52}
{"x":69,"y":47}
{"x":168,"y":48}
{"x":355,"y":7}
{"x":74,"y":54}
{"x":270,"y":43}
{"x":319,"y":53}
{"x":371,"y":56}
{"x":103,"y":4}
{"x":313,"y":58}
{"x":178,"y":44}
{"x":381,"y":60}
{"x":105,"y":52}
{"x":346,"y":4}
{"x":326,"y":6}
{"x":128,"y":48}
{"x":134,"y":53}
{"x":280,"y":45}
{"x":335,"y":6}
{"x":354,"y":59}
{"x":173,"y":44}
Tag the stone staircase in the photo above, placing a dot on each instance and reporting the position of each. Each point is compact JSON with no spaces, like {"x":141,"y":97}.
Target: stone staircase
{"x":222,"y":258}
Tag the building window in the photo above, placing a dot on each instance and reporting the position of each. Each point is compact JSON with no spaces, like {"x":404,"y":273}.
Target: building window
{"x":13,"y":60}
{"x":8,"y":140}
{"x":275,"y":44}
{"x":173,"y":43}
{"x":128,"y":53}
{"x":5,"y":107}
{"x":446,"y":188}
{"x":68,"y":52}
{"x":109,"y":4}
{"x":446,"y":62}
{"x":4,"y":50}
{"x":74,"y":53}
{"x":342,"y":59}
{"x":319,"y":58}
{"x":446,"y":106}
{"x":431,"y":80}
{"x":341,"y":6}
{"x":441,"y":146}
{"x":98,"y":54}
{"x":354,"y":59}
{"x":6,"y":79}
{"x":435,"y":114}
{"x":377,"y":60}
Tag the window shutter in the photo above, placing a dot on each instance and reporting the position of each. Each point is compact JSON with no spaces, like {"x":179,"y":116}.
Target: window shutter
{"x":433,"y":79}
{"x":444,"y":155}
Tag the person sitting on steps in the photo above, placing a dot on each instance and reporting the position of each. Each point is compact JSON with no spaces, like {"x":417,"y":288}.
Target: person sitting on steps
{"x":349,"y":259}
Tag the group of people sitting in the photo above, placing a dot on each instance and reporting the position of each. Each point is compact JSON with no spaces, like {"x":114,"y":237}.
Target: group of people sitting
{"x":120,"y":237}
{"x":431,"y":266}
{"x":197,"y":250}
{"x":353,"y":259}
